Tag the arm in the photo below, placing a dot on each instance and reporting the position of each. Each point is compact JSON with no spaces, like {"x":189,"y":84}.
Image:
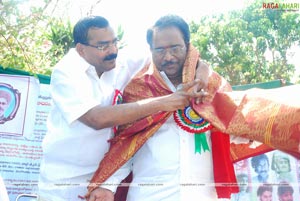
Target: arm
{"x":101,"y":117}
{"x":202,"y":74}
{"x":75,"y":102}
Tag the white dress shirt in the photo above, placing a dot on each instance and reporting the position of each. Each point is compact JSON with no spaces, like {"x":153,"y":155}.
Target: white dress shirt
{"x":166,"y":168}
{"x":72,"y":150}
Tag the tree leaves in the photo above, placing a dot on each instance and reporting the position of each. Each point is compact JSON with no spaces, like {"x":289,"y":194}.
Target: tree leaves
{"x":238,"y":43}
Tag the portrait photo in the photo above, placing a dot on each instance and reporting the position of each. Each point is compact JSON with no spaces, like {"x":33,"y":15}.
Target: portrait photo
{"x":9,"y":102}
{"x":18,"y":101}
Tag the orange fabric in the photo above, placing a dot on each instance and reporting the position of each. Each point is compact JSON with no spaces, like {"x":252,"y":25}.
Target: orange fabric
{"x":242,"y":151}
{"x":149,"y":83}
{"x":270,"y":116}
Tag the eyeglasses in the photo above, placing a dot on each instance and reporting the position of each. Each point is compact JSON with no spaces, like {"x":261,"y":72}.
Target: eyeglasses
{"x":104,"y":46}
{"x":174,"y":50}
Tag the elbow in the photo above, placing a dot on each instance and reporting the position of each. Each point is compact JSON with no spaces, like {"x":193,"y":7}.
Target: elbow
{"x":95,"y":122}
{"x":99,"y":124}
{"x":99,"y":118}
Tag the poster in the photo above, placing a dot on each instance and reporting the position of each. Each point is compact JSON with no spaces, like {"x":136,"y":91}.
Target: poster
{"x":20,"y":153}
{"x":270,"y":175}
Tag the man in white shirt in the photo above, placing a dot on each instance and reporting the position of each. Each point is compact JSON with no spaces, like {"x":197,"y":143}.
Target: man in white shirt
{"x":85,"y":87}
{"x":167,"y":164}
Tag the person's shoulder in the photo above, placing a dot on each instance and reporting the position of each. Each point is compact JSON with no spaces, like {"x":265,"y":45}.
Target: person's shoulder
{"x":70,"y":68}
{"x":69,"y":62}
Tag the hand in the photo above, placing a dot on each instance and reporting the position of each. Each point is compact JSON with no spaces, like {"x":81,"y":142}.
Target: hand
{"x":181,"y":98}
{"x":101,"y":194}
{"x":202,"y":74}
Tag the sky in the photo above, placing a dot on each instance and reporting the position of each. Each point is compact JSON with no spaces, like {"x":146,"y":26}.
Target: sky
{"x":135,"y":16}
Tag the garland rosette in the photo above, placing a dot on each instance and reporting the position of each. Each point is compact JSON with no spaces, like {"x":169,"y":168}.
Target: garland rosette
{"x":118,"y":99}
{"x":188,"y":120}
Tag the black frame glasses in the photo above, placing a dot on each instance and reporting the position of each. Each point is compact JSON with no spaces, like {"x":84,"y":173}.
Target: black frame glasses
{"x":105,"y":46}
{"x":173,"y":50}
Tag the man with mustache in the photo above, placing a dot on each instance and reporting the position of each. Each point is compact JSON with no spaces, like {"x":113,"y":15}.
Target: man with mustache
{"x":86,"y":86}
{"x":173,"y":156}
{"x":261,"y":166}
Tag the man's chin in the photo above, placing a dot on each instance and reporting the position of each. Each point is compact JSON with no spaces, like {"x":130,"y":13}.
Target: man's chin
{"x":111,"y":64}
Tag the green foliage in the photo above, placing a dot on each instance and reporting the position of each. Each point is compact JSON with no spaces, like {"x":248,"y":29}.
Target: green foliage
{"x":21,"y":37}
{"x":60,"y":36}
{"x":34,"y":41}
{"x":236,"y":43}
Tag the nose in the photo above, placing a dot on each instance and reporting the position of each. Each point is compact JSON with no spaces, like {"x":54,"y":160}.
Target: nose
{"x":168,"y":55}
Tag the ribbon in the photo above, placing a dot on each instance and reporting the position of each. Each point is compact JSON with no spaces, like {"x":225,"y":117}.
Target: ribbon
{"x":190,"y":121}
{"x":201,"y":143}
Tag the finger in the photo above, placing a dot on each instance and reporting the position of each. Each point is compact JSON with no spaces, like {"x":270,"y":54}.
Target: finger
{"x":201,"y":98}
{"x":189,"y":85}
{"x":198,"y":101}
{"x":200,"y":94}
{"x":200,"y":86}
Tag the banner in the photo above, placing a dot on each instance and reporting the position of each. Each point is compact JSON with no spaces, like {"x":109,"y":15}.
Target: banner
{"x":267,"y":174}
{"x":21,"y":133}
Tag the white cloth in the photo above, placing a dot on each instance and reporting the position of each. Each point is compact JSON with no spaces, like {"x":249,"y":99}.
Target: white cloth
{"x":166,"y":168}
{"x":3,"y":191}
{"x":72,"y":150}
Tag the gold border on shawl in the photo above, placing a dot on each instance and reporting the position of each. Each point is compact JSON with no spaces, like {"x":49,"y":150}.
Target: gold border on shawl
{"x":131,"y":149}
{"x":190,"y":64}
{"x":268,"y":133}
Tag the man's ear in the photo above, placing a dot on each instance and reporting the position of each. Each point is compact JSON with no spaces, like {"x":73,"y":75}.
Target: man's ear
{"x":80,"y":49}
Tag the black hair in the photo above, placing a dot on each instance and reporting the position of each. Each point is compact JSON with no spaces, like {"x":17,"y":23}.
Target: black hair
{"x":284,"y":187}
{"x":80,"y":31}
{"x":255,"y":160}
{"x":265,"y":187}
{"x":170,"y":21}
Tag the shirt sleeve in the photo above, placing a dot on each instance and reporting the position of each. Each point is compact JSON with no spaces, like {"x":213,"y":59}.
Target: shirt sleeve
{"x":73,"y":96}
{"x":112,"y":182}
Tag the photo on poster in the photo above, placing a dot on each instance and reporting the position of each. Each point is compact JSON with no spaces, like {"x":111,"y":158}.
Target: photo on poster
{"x":273,"y":175}
{"x":9,"y":102}
{"x":18,"y":98}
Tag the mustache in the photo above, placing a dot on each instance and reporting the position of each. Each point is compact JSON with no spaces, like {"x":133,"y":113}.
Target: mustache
{"x":110,"y":57}
{"x":168,"y":63}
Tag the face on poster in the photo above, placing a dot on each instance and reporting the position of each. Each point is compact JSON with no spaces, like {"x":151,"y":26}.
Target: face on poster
{"x":18,"y":98}
{"x":9,"y":102}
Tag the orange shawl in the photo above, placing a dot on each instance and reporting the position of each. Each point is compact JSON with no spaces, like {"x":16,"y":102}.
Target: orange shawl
{"x":270,"y":116}
{"x":149,"y":83}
